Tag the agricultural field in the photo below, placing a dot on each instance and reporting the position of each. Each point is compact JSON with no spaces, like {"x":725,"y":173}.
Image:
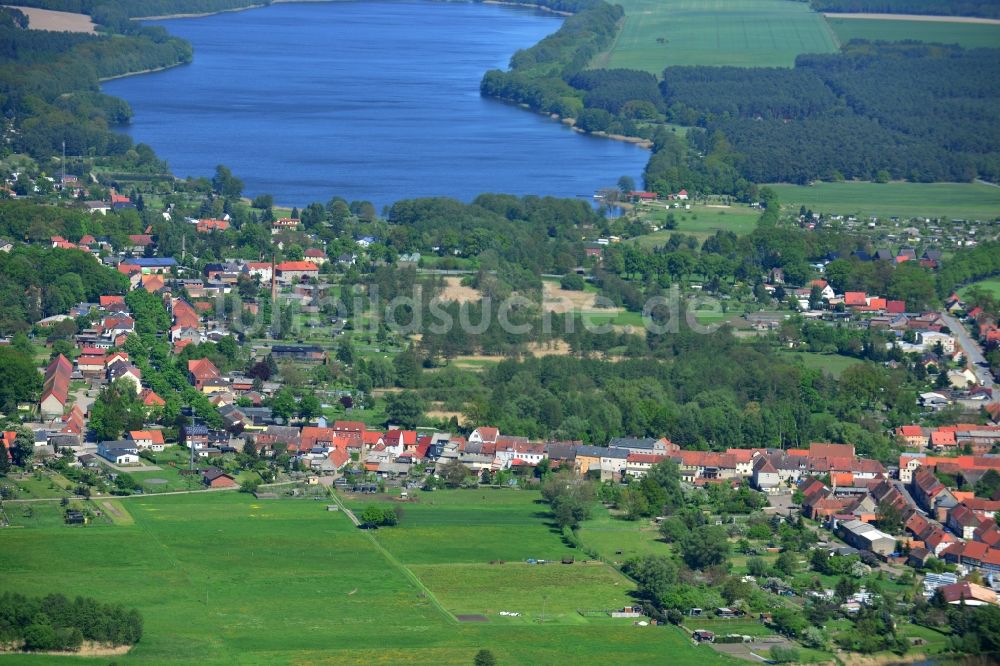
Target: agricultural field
{"x":748,"y":33}
{"x":223,"y":578}
{"x":970,"y":201}
{"x":968,"y":35}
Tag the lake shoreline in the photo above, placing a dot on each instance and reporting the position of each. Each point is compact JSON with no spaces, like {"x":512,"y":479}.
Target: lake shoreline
{"x":511,"y":3}
{"x":167,"y":17}
{"x":152,"y":70}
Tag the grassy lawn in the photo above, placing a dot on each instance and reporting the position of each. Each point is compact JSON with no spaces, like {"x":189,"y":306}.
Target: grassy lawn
{"x":700,"y":221}
{"x":947,"y":200}
{"x":833,"y":364}
{"x":968,"y":35}
{"x":42,"y":485}
{"x":153,"y":482}
{"x":223,"y":578}
{"x":754,"y":33}
{"x":607,"y":535}
{"x":555,"y":590}
{"x":991,"y":285}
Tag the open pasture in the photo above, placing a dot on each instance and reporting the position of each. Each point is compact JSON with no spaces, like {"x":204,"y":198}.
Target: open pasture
{"x":969,"y":201}
{"x":224,"y":578}
{"x":700,"y":221}
{"x":746,"y":33}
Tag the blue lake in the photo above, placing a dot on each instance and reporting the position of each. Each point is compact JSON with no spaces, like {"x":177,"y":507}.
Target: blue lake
{"x":364,"y":100}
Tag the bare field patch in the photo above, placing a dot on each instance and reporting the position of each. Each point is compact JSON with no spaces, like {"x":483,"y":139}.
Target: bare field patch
{"x":46,"y":19}
{"x":455,"y":291}
{"x":444,"y":415}
{"x":914,"y":17}
{"x":559,"y":300}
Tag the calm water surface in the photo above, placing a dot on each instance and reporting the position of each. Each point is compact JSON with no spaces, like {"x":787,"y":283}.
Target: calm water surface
{"x":365,"y":100}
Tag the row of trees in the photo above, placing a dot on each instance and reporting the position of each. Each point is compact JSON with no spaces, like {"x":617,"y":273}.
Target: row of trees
{"x":985,"y":8}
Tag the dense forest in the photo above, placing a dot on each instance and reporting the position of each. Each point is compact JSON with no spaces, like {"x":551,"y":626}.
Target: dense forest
{"x":57,"y":623}
{"x":901,"y":111}
{"x":49,"y":86}
{"x":873,"y":111}
{"x":987,"y":8}
{"x":37,"y":282}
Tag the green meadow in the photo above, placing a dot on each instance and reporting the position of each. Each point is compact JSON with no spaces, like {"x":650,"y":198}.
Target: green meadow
{"x":968,"y":35}
{"x":223,"y":578}
{"x":832,"y":364}
{"x":946,"y":200}
{"x":701,"y":221}
{"x":992,"y":285}
{"x":749,"y":33}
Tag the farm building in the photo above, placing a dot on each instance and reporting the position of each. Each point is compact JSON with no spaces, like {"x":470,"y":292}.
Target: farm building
{"x":122,"y":452}
{"x":866,"y":537}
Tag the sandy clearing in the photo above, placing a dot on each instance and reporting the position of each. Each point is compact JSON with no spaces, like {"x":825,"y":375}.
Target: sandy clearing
{"x":46,"y":19}
{"x":454,"y":290}
{"x":915,"y":17}
{"x":442,"y":415}
{"x":559,"y":300}
{"x":551,"y":348}
{"x":87,"y":649}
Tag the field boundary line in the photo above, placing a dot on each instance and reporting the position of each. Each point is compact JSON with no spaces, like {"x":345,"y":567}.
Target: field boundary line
{"x":391,"y":559}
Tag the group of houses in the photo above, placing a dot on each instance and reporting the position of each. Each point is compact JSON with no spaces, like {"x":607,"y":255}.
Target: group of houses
{"x":938,"y":519}
{"x":972,"y":438}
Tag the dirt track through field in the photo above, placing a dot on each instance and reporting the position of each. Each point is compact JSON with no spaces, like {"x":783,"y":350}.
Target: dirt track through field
{"x":915,"y":17}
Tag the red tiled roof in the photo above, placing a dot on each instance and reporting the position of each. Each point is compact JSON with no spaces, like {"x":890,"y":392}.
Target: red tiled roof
{"x":150,"y":399}
{"x":649,"y":458}
{"x":297,"y":266}
{"x":943,"y":438}
{"x":488,"y":433}
{"x":823,"y":450}
{"x":855,"y":298}
{"x":155,"y":436}
{"x":203,"y":369}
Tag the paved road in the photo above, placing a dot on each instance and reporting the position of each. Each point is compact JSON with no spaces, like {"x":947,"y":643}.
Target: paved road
{"x":973,"y":351}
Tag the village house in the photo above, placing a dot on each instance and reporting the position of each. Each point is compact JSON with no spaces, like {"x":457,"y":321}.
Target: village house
{"x":216,"y":478}
{"x":211,"y":225}
{"x":284,"y":224}
{"x":147,"y":439}
{"x":201,"y":371}
{"x":912,"y":436}
{"x":289,"y":272}
{"x":55,"y":387}
{"x":637,"y":464}
{"x":121,"y":452}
